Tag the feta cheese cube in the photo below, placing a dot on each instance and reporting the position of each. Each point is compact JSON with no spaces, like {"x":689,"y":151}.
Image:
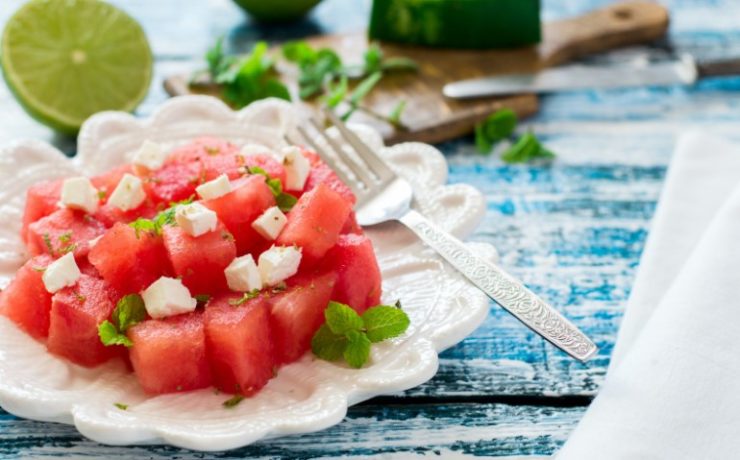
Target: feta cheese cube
{"x":150,"y":155}
{"x":215,"y":188}
{"x":256,"y":149}
{"x":167,"y":297}
{"x":195,"y":219}
{"x":79,"y":193}
{"x":278,"y":264}
{"x":297,"y":168}
{"x":270,"y":223}
{"x":242,"y":274}
{"x":129,"y":193}
{"x":61,"y":273}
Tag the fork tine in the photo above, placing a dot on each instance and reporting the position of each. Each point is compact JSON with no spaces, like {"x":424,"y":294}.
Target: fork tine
{"x":329,"y":160}
{"x":358,"y":169}
{"x":373,"y":161}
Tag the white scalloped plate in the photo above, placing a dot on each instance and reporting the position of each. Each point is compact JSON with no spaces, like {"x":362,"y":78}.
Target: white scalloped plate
{"x":306,"y":396}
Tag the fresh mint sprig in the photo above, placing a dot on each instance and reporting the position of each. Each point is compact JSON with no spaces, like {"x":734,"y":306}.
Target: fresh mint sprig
{"x":500,"y":126}
{"x":284,"y":201}
{"x":129,"y":311}
{"x":167,"y":217}
{"x":350,"y":336}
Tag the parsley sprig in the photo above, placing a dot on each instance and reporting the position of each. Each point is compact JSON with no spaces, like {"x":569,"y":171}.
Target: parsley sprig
{"x":500,"y":126}
{"x":348,"y":335}
{"x":129,"y":311}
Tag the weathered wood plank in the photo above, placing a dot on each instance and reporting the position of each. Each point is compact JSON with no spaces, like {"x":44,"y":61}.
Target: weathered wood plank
{"x":369,"y":431}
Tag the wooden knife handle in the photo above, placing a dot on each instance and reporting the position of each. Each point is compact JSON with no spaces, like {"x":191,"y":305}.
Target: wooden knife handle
{"x":618,"y":25}
{"x":718,"y":68}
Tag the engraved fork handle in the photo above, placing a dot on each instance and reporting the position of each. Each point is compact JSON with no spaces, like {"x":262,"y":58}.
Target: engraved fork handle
{"x":503,"y":288}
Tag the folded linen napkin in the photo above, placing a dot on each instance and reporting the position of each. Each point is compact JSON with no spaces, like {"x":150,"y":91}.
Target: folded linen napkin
{"x":672,"y":389}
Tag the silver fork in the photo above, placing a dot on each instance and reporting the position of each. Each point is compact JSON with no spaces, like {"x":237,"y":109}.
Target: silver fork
{"x":383,"y":196}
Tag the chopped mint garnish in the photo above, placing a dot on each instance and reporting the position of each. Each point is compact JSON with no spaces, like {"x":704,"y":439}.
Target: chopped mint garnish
{"x":499,"y":126}
{"x":527,"y":148}
{"x":349,"y":335}
{"x":166,"y":217}
{"x":233,"y":401}
{"x":129,"y":311}
{"x":65,"y":237}
{"x":202,"y":298}
{"x":47,"y":242}
{"x":247,"y":296}
{"x":285,"y":201}
{"x":121,"y":406}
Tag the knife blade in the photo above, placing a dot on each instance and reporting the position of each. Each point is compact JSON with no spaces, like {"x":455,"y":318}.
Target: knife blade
{"x":683,"y":71}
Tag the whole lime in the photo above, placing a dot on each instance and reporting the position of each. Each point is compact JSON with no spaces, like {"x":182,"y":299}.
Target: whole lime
{"x":277,"y":10}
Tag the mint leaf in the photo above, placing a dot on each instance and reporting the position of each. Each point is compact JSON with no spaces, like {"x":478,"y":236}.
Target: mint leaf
{"x":395,"y":117}
{"x":247,"y":296}
{"x":336,"y":92}
{"x":384,"y":322}
{"x":327,"y":345}
{"x":527,"y":148}
{"x":129,"y":311}
{"x":233,"y":401}
{"x":341,"y":318}
{"x":357,"y":351}
{"x":496,"y":127}
{"x":121,"y":406}
{"x":299,"y":52}
{"x":109,"y":335}
{"x":373,"y":58}
{"x":251,"y":78}
{"x":285,"y":201}
{"x":202,"y":298}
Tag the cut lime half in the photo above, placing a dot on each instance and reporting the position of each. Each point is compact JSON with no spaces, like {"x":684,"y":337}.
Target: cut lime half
{"x":67,"y":59}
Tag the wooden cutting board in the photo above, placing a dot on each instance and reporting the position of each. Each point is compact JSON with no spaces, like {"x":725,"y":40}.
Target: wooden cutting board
{"x":431,"y":117}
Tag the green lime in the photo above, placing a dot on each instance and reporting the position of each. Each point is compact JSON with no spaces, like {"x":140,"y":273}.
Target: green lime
{"x":277,"y":10}
{"x":67,"y":59}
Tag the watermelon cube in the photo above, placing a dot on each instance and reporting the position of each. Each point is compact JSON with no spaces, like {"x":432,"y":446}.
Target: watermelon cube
{"x":200,"y":149}
{"x":129,"y":261}
{"x":351,"y":225}
{"x":200,"y":261}
{"x":321,"y":173}
{"x":62,"y":231}
{"x":239,"y":343}
{"x":25,"y":301}
{"x":109,"y":215}
{"x":249,"y":198}
{"x":358,"y":275}
{"x":315,"y":222}
{"x":169,"y":354}
{"x":76,"y":312}
{"x":41,"y":200}
{"x":298,"y":312}
{"x":271,"y":166}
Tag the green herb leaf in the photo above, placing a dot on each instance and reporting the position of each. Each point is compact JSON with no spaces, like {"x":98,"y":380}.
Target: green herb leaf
{"x":527,"y":148}
{"x":121,"y":406}
{"x":336,"y":92}
{"x":384,"y":322}
{"x":247,"y":296}
{"x":395,"y":117}
{"x":373,"y":58}
{"x":399,"y":64}
{"x":109,"y":335}
{"x":252,"y":78}
{"x":285,"y":201}
{"x":327,"y":345}
{"x":202,"y":298}
{"x":299,"y":52}
{"x":342,"y":318}
{"x":233,"y":401}
{"x":364,"y":88}
{"x":498,"y":126}
{"x":357,"y":351}
{"x":129,"y":311}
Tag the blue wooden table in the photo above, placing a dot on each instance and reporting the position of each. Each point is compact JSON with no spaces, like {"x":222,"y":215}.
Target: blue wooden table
{"x":573,"y":231}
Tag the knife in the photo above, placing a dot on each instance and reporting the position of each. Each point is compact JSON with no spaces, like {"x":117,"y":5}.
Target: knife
{"x":684,"y":70}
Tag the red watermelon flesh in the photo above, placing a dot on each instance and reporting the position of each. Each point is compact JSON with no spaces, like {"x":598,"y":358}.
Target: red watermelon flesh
{"x":321,"y":173}
{"x":129,"y":261}
{"x":239,"y":343}
{"x":62,"y":231}
{"x":270,"y":165}
{"x":315,"y":222}
{"x":358,"y":275}
{"x":249,"y":198}
{"x":297,"y":314}
{"x":76,"y":312}
{"x":174,"y":182}
{"x":25,"y":301}
{"x":200,"y":261}
{"x":169,"y":354}
{"x":42,"y":199}
{"x":109,"y":215}
{"x":200,"y":149}
{"x":351,"y":225}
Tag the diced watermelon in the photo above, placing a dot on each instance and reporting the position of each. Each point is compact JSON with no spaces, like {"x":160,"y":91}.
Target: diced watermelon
{"x":239,"y":208}
{"x":25,"y":301}
{"x":269,"y":164}
{"x":233,"y":165}
{"x":62,"y":231}
{"x":41,"y":200}
{"x":239,"y":343}
{"x":298,"y":312}
{"x":200,"y":261}
{"x":130,"y":262}
{"x":351,"y":225}
{"x":358,"y":275}
{"x":169,"y":354}
{"x":174,"y":182}
{"x":321,"y":173}
{"x":76,"y":312}
{"x":200,"y":149}
{"x":108,"y":181}
{"x":109,"y":215}
{"x":315,"y":221}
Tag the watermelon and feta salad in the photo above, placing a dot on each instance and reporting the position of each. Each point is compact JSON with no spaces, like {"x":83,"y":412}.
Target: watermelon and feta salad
{"x":207,"y":265}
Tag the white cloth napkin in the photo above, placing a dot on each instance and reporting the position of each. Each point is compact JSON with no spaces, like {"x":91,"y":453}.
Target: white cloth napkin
{"x":673,"y":389}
